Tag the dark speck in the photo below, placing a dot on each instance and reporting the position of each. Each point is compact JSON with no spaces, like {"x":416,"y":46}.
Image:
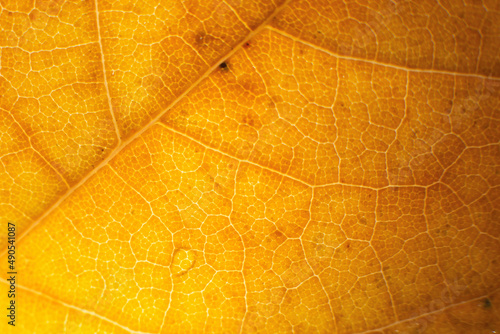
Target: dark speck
{"x":486,"y":303}
{"x":223,"y":65}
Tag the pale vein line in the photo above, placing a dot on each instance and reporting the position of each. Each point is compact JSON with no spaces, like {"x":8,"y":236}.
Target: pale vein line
{"x":337,"y":136}
{"x":126,"y":183}
{"x":428,"y":314}
{"x":121,"y":145}
{"x":47,"y":50}
{"x":32,"y":147}
{"x":481,"y":41}
{"x":237,"y":15}
{"x":76,"y":308}
{"x":310,"y":267}
{"x":113,"y":116}
{"x":180,"y":134}
{"x":386,"y":281}
{"x":435,"y":248}
{"x":374,"y":62}
{"x":244,"y":255}
{"x":47,"y":161}
{"x":275,"y":171}
{"x":405,"y":115}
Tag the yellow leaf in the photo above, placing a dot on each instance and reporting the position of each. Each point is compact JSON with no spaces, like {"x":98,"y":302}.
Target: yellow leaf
{"x":327,"y":166}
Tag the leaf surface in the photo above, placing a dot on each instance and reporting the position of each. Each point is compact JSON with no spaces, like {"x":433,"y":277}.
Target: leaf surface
{"x":251,"y":166}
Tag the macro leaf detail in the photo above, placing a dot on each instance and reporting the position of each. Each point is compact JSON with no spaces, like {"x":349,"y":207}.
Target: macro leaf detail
{"x":251,"y":166}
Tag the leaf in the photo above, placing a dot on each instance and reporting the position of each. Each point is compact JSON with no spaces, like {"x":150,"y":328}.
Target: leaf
{"x":251,"y":166}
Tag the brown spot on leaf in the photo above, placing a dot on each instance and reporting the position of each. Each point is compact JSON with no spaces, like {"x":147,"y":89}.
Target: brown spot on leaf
{"x":224,"y":66}
{"x":252,"y":119}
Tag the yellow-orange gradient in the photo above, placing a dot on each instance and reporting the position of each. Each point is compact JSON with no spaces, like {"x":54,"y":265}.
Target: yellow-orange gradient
{"x":251,"y":166}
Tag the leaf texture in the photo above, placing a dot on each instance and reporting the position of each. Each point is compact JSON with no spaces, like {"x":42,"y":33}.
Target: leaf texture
{"x":251,"y":166}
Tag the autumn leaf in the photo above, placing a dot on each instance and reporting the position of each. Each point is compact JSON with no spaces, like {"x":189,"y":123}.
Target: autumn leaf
{"x":250,"y":166}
